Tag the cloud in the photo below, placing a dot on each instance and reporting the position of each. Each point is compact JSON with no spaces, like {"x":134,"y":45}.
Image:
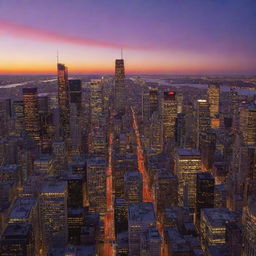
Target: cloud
{"x":10,"y":28}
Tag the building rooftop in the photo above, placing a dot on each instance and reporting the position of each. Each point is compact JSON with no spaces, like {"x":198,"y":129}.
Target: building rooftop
{"x":131,"y":176}
{"x":176,"y":241}
{"x":72,"y":250}
{"x":16,"y":229}
{"x":54,"y":187}
{"x":141,"y":212}
{"x":188,"y":152}
{"x":22,"y":208}
{"x":218,"y":217}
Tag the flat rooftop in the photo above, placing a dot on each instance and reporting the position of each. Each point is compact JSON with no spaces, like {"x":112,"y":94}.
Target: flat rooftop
{"x":16,"y":229}
{"x":188,"y":152}
{"x":141,"y":212}
{"x":23,"y":207}
{"x":54,"y":187}
{"x":218,"y":217}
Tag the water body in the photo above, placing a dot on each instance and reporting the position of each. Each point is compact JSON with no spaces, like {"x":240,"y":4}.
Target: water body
{"x":223,"y":88}
{"x":6,"y":86}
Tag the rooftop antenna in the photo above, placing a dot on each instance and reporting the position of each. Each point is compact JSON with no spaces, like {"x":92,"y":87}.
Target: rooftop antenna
{"x":121,"y":53}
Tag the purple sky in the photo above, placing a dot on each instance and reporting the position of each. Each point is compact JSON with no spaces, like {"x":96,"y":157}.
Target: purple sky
{"x":176,"y":35}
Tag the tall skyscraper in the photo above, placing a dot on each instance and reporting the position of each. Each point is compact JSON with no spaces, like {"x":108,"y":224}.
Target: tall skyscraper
{"x":204,"y":193}
{"x":169,"y":114}
{"x":120,"y":94}
{"x":165,"y":190}
{"x":31,"y":114}
{"x":187,"y":165}
{"x":249,"y":221}
{"x":214,"y":104}
{"x":202,"y":120}
{"x":133,"y":187}
{"x":63,"y":100}
{"x":96,"y":182}
{"x":248,"y":124}
{"x":141,"y":216}
{"x":75,"y":93}
{"x":53,"y":214}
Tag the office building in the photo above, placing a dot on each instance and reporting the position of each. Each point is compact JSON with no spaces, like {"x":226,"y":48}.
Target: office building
{"x":187,"y":165}
{"x":17,"y":239}
{"x":165,"y":190}
{"x":31,"y":114}
{"x":53,"y":214}
{"x":248,"y":124}
{"x":249,"y":221}
{"x":169,"y":114}
{"x":141,"y":216}
{"x":133,"y":187}
{"x":204,"y":193}
{"x":214,"y":104}
{"x":63,"y":100}
{"x":202,"y":120}
{"x":120,"y":94}
{"x":96,"y":183}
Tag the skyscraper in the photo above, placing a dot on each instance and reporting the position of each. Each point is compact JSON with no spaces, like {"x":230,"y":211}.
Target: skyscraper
{"x":63,"y":100}
{"x":187,"y":165}
{"x":120,"y":95}
{"x":169,"y":114}
{"x":214,"y":104}
{"x":248,"y":124}
{"x":202,"y":120}
{"x":31,"y":114}
{"x":133,"y":187}
{"x":204,"y":193}
{"x":53,"y":214}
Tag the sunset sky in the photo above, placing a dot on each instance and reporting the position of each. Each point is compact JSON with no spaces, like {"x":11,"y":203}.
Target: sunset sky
{"x":157,"y":36}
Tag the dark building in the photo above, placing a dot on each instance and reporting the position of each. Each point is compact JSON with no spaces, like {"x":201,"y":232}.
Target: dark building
{"x":17,"y":240}
{"x":234,"y":238}
{"x":31,"y":113}
{"x":76,"y":184}
{"x":76,"y":220}
{"x":120,"y":94}
{"x":75,"y":92}
{"x":153,"y":100}
{"x":204,"y":193}
{"x":63,"y":100}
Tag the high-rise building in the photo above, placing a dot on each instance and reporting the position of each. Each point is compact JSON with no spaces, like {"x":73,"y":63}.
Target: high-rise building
{"x":213,"y":225}
{"x":76,"y":189}
{"x":169,"y":114}
{"x":249,"y":221}
{"x":18,"y":114}
{"x":248,"y":124}
{"x":234,"y":238}
{"x":187,"y":165}
{"x":53,"y":214}
{"x":141,"y":216}
{"x":63,"y":100}
{"x":96,"y":182}
{"x":204,"y":193}
{"x":202,"y":120}
{"x":120,"y":94}
{"x":150,"y":242}
{"x":31,"y":114}
{"x":165,"y":190}
{"x":17,"y":239}
{"x":214,"y":104}
{"x":153,"y":100}
{"x":133,"y":187}
{"x":75,"y":92}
